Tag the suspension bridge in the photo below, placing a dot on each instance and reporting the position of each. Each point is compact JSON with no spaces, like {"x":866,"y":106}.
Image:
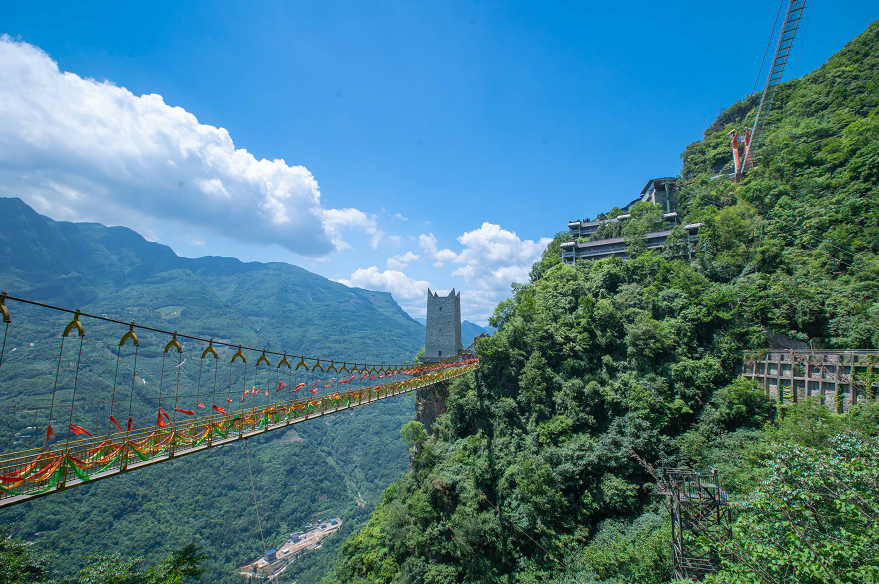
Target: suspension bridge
{"x":171,"y":394}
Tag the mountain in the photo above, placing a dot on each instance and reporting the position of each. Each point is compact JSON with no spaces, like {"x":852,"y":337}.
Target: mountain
{"x":469,"y":330}
{"x":544,"y":468}
{"x":336,"y":466}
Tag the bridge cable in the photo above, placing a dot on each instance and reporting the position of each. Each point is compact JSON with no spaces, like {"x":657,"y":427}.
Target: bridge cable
{"x":523,"y":532}
{"x":768,"y":217}
{"x":180,"y":359}
{"x":198,"y":385}
{"x":131,"y":396}
{"x":253,"y":490}
{"x":803,"y":37}
{"x":113,"y":396}
{"x":3,"y":350}
{"x":54,"y":389}
{"x":75,"y":382}
{"x":768,"y":44}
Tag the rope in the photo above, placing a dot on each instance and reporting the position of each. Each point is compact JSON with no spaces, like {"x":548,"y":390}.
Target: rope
{"x":75,"y":382}
{"x":113,"y":397}
{"x":253,"y":490}
{"x":131,"y":397}
{"x":3,"y":350}
{"x":768,"y":44}
{"x":803,"y":38}
{"x":177,"y":389}
{"x":198,"y":386}
{"x":54,"y":389}
{"x":520,"y":530}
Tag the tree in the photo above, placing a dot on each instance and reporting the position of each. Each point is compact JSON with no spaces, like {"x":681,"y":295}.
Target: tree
{"x":814,"y":520}
{"x":20,"y":563}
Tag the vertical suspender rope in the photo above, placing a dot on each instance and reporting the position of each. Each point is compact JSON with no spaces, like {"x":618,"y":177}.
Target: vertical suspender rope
{"x":3,"y":350}
{"x":161,"y":382}
{"x":198,"y":387}
{"x":131,"y":397}
{"x":216,"y":377}
{"x":113,"y":396}
{"x":12,"y":426}
{"x":253,"y":490}
{"x":177,"y":388}
{"x":75,"y":381}
{"x":54,"y":389}
{"x":34,"y":425}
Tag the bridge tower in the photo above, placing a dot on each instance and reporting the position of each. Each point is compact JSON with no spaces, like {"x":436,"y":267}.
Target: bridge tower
{"x":443,"y":332}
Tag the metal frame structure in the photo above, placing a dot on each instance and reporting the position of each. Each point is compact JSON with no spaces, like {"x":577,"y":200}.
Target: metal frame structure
{"x":783,"y":46}
{"x":698,"y":508}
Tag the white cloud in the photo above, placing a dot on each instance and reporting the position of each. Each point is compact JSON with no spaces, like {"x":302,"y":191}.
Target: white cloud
{"x":399,"y":217}
{"x":490,"y":261}
{"x":401,"y":262}
{"x":410,"y":294}
{"x":79,"y":149}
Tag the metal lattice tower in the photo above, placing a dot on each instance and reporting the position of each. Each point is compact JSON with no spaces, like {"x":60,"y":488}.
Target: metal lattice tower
{"x":698,"y":508}
{"x":783,"y":47}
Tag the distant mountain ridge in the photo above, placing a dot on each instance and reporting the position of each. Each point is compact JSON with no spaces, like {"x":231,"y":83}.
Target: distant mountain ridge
{"x":88,"y":265}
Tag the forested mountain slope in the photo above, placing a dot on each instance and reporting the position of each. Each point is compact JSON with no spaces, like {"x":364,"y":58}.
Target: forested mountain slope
{"x":329,"y":467}
{"x":540,"y":469}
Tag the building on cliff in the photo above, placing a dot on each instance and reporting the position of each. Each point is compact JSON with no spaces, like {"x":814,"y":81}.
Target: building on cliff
{"x":659,"y":191}
{"x":443,"y":329}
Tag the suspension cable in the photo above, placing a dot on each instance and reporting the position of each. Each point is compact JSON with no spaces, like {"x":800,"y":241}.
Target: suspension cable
{"x":253,"y":490}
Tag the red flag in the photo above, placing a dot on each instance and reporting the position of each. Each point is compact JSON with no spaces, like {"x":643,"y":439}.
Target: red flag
{"x":246,"y":391}
{"x":344,"y":380}
{"x":130,"y":424}
{"x":267,"y":393}
{"x":200,"y":405}
{"x":79,"y":430}
{"x":297,"y":388}
{"x":281,"y":385}
{"x":218,"y":408}
{"x":229,"y":400}
{"x":164,"y":413}
{"x":112,"y":419}
{"x":187,"y":412}
{"x":160,"y":421}
{"x":316,"y":382}
{"x":365,"y":375}
{"x":49,"y":433}
{"x":312,"y":390}
{"x":242,"y":399}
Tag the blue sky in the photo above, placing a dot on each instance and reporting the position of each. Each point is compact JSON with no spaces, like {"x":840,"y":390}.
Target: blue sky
{"x":446,"y":140}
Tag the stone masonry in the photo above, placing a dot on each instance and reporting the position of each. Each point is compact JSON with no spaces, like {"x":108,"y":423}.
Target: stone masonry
{"x":443,"y":331}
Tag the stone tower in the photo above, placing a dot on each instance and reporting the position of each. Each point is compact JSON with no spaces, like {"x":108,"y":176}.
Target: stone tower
{"x":443,"y":334}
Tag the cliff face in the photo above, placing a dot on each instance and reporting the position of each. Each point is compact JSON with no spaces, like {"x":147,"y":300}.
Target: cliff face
{"x":430,"y":403}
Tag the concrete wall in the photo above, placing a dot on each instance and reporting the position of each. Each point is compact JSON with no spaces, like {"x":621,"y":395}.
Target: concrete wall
{"x":836,"y":379}
{"x":443,"y":330}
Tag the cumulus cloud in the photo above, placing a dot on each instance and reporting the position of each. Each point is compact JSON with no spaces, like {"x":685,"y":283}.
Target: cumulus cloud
{"x":80,"y":149}
{"x":401,"y":262}
{"x":492,"y":259}
{"x":410,"y":294}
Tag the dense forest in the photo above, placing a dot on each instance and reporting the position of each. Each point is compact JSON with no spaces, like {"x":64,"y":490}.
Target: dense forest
{"x":336,"y":466}
{"x":541,"y":469}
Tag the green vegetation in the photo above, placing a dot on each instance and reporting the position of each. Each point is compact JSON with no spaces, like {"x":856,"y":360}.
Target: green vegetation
{"x":19,"y":564}
{"x":539,"y":470}
{"x":335,"y":466}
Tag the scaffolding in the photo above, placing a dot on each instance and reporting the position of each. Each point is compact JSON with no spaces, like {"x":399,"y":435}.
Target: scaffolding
{"x":699,"y":511}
